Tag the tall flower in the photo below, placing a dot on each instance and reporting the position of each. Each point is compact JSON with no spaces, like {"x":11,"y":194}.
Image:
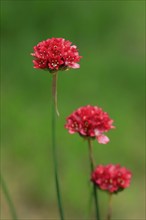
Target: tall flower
{"x":90,"y":122}
{"x":111,"y":178}
{"x":55,"y":54}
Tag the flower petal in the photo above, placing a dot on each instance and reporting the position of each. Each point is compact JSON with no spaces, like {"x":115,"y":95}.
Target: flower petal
{"x":74,"y":65}
{"x":71,"y":131}
{"x":102,"y":139}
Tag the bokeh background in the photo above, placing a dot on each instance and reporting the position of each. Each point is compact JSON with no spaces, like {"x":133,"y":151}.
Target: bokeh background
{"x":110,"y":36}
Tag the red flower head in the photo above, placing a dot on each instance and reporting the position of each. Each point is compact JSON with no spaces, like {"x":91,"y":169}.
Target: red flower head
{"x":111,"y":178}
{"x":55,"y":54}
{"x":90,"y":121}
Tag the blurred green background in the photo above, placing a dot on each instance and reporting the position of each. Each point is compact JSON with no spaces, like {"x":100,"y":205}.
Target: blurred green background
{"x":110,"y":37}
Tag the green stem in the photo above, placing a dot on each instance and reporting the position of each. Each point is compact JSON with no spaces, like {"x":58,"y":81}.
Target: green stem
{"x":8,"y":198}
{"x":92,"y":164}
{"x":109,"y":214}
{"x":54,"y":92}
{"x":54,"y":151}
{"x":90,"y":202}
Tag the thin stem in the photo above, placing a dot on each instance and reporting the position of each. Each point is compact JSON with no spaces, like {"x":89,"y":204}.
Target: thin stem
{"x":8,"y":198}
{"x":92,"y":164}
{"x":54,"y":151}
{"x":54,"y":91}
{"x":109,"y":214}
{"x":90,"y":202}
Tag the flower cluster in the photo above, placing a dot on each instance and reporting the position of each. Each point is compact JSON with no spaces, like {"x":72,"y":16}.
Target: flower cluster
{"x":112,"y":178}
{"x":90,"y":121}
{"x":55,"y":54}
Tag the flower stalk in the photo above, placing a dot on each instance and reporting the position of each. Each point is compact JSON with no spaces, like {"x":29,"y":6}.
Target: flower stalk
{"x":109,"y":214}
{"x":92,"y":164}
{"x":8,"y":198}
{"x":54,"y":91}
{"x":54,"y":152}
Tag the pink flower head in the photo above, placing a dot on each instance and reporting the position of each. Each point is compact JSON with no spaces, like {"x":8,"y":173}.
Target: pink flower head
{"x":111,"y":178}
{"x":55,"y":54}
{"x":90,"y":121}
